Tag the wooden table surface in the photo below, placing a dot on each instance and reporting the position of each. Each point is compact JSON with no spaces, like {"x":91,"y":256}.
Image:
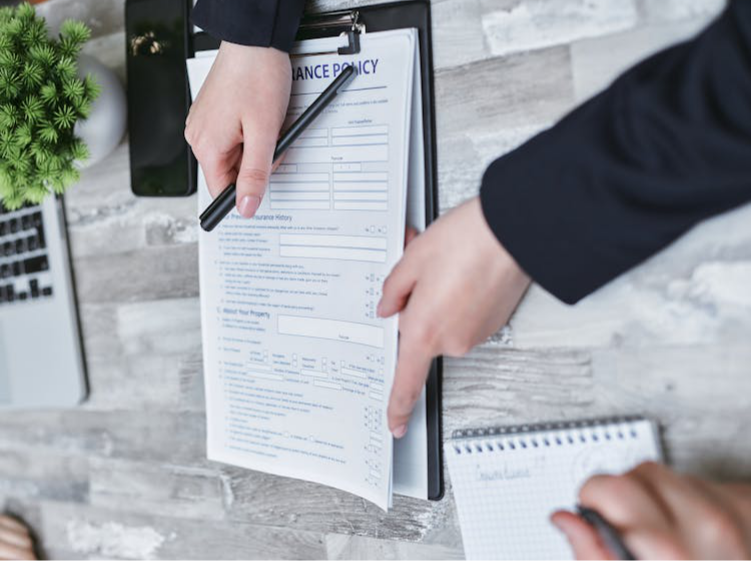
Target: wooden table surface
{"x":125,"y":475}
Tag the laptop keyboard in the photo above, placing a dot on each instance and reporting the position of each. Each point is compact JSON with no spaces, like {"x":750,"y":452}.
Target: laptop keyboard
{"x":24,"y":263}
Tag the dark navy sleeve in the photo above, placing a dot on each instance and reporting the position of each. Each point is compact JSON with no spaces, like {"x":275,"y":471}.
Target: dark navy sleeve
{"x":628,"y":172}
{"x":261,"y":23}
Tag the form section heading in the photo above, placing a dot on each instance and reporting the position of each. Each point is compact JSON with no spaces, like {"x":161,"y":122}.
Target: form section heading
{"x":332,"y":70}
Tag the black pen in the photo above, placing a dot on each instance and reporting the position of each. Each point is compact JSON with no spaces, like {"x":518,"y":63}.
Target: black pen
{"x":609,"y":535}
{"x":225,"y":202}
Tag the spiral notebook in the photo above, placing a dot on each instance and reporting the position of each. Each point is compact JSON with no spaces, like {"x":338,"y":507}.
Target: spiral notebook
{"x":508,"y":481}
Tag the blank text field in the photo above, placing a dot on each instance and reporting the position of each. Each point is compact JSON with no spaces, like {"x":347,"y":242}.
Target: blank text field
{"x":299,"y":196}
{"x":350,"y":205}
{"x":358,"y":131}
{"x":354,"y":373}
{"x":300,"y":205}
{"x":302,"y":141}
{"x":361,"y":176}
{"x":267,"y":375}
{"x":359,"y":242}
{"x":360,"y":196}
{"x":300,"y":177}
{"x":363,"y":186}
{"x":330,"y":385}
{"x":299,"y":187}
{"x":353,"y":248}
{"x":370,"y":140}
{"x":359,"y":333}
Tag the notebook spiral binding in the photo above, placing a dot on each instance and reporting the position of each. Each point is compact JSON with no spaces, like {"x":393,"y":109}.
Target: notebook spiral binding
{"x":498,"y":439}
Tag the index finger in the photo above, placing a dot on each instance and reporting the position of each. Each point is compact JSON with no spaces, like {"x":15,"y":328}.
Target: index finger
{"x":220,"y":169}
{"x":409,"y":379}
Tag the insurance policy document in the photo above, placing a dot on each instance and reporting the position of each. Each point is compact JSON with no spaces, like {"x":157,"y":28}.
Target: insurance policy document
{"x":298,"y":367}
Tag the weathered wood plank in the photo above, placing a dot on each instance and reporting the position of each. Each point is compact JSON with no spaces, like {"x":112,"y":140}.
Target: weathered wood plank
{"x":357,"y":547}
{"x":152,"y":436}
{"x":151,"y":273}
{"x":677,"y":10}
{"x":144,"y":355}
{"x":495,"y":385}
{"x":515,"y":91}
{"x":72,"y":532}
{"x":160,"y":489}
{"x":523,"y":25}
{"x":30,"y":476}
{"x":458,"y":37}
{"x":260,"y":498}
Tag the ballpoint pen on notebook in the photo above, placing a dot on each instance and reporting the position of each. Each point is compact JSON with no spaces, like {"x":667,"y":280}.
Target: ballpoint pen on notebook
{"x":225,"y":202}
{"x":609,"y":535}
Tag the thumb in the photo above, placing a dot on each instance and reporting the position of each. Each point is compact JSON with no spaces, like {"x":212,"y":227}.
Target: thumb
{"x":584,"y":540}
{"x":255,"y":170}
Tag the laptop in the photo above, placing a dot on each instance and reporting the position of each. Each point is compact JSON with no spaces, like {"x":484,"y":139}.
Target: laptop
{"x":41,"y":357}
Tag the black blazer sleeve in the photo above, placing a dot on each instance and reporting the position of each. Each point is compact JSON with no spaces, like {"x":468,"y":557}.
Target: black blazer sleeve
{"x":625,"y":174}
{"x":261,"y":23}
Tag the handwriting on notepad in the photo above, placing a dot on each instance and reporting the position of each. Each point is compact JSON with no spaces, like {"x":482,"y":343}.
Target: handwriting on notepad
{"x":509,"y":471}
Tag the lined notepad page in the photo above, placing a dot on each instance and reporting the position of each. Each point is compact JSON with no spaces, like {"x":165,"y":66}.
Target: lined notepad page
{"x":508,"y":481}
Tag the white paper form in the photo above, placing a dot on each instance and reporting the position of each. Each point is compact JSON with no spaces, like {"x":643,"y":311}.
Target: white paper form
{"x":298,"y":368}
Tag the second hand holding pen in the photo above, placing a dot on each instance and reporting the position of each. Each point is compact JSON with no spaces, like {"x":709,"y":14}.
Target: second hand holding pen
{"x":225,"y":202}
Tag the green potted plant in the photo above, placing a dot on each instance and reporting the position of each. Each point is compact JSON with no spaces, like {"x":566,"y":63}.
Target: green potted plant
{"x":42,"y":98}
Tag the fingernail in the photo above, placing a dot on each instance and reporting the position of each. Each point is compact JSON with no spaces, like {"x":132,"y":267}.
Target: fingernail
{"x":399,"y":432}
{"x":379,"y":310}
{"x":249,"y":205}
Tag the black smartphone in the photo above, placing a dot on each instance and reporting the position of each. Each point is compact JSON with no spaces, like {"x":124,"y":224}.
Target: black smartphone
{"x":158,"y":41}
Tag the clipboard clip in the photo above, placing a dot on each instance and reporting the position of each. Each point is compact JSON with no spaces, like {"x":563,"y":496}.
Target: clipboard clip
{"x":343,"y":23}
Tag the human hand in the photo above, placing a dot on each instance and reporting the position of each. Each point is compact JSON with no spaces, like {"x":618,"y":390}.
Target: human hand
{"x":455,"y":286}
{"x":661,"y":514}
{"x":15,"y":541}
{"x":234,"y":123}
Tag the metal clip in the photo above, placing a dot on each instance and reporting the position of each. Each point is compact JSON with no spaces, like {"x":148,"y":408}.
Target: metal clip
{"x":343,"y":23}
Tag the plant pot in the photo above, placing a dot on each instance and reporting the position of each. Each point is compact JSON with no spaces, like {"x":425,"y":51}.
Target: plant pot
{"x":105,"y":127}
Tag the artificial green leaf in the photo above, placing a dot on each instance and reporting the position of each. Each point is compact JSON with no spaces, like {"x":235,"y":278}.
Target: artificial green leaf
{"x":65,"y":117}
{"x":66,"y":66}
{"x":23,"y":135}
{"x":74,"y":89}
{"x":9,"y":86}
{"x":48,"y":93}
{"x":75,"y":31}
{"x":31,"y":75}
{"x":42,"y":53}
{"x":8,"y":115}
{"x":47,"y":132}
{"x":32,"y":109}
{"x":91,"y":87}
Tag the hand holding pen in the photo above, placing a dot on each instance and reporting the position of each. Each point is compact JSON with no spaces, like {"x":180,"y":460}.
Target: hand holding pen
{"x":252,"y":148}
{"x":235,"y":120}
{"x":655,"y":513}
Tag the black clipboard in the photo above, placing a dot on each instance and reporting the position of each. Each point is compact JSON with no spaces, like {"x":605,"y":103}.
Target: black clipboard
{"x":353,"y":23}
